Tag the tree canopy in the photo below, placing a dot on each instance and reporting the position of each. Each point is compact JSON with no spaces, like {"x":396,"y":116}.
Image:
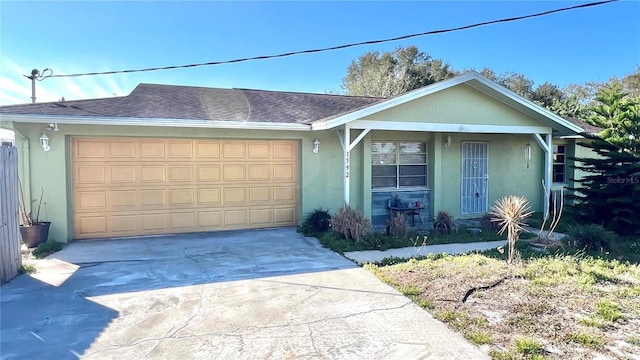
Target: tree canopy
{"x":393,"y":73}
{"x":387,"y":74}
{"x":608,"y":195}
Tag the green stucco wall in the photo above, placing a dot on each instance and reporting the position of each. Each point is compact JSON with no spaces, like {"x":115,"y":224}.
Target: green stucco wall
{"x":321,"y":182}
{"x":460,"y":104}
{"x":508,"y":171}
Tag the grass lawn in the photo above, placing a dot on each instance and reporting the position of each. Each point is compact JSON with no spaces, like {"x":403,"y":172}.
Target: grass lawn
{"x":552,"y":306}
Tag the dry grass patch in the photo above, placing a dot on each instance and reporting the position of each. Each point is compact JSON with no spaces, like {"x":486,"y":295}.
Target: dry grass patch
{"x":560,"y":307}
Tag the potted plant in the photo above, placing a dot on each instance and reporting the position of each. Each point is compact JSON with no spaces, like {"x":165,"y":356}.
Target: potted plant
{"x":33,"y":230}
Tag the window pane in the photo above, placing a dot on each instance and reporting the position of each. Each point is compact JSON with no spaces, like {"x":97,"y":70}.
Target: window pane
{"x":412,"y":148}
{"x":558,"y":159}
{"x":413,"y":181}
{"x":420,"y":170}
{"x":413,"y":158}
{"x":383,"y":159}
{"x":383,"y":182}
{"x":383,"y":147}
{"x":383,"y":170}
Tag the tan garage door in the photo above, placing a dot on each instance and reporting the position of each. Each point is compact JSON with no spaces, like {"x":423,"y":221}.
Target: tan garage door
{"x":132,"y":186}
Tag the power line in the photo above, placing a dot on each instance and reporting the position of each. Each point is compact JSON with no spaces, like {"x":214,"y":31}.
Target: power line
{"x":264,"y":57}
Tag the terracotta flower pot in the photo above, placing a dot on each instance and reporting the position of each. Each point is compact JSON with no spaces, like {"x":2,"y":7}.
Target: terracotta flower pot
{"x":35,"y":234}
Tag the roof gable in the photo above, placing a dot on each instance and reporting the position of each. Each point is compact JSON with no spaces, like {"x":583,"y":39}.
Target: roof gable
{"x":474,"y":80}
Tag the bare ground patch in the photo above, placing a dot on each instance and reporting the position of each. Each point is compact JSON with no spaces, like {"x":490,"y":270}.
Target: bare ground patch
{"x":555,"y":307}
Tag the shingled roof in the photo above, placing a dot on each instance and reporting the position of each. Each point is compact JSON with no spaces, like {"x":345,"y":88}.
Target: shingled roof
{"x":201,"y":103}
{"x":587,"y":127}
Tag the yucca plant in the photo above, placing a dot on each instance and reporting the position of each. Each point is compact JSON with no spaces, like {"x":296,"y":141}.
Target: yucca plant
{"x":510,"y":213}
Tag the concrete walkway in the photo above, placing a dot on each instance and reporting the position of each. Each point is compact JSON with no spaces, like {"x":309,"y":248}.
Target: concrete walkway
{"x":374,"y":256}
{"x":269,"y":294}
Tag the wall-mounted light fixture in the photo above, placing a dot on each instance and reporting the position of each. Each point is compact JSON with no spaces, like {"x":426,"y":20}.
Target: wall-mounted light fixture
{"x":316,"y":146}
{"x":44,"y":142}
{"x":52,"y":126}
{"x":447,"y":141}
{"x":527,"y":153}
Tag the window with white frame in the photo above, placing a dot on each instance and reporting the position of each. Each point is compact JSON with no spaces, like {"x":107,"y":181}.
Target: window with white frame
{"x":559,"y":163}
{"x":398,"y":165}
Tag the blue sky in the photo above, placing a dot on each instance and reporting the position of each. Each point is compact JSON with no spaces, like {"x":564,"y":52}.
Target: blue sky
{"x":591,"y":44}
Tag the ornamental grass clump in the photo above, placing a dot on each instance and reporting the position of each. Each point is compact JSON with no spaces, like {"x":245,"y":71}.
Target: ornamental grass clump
{"x":350,"y":223}
{"x":510,"y":213}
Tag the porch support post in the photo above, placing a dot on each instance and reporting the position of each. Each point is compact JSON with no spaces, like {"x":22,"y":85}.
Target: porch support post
{"x":546,"y":146}
{"x":347,"y":165}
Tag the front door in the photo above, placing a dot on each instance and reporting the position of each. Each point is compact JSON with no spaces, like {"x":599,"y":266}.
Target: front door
{"x":475,"y":177}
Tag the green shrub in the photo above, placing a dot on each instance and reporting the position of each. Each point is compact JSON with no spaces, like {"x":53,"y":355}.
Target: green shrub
{"x":27,"y":269}
{"x":591,"y":237}
{"x":47,"y":248}
{"x":317,"y":221}
{"x":350,"y":223}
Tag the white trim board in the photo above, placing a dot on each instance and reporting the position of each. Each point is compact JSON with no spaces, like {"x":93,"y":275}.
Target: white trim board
{"x":444,"y":127}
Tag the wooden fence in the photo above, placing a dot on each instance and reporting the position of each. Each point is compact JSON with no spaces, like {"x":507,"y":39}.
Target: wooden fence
{"x":10,"y":240}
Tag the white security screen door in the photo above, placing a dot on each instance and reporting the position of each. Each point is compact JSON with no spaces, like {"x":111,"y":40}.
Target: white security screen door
{"x":475,"y":177}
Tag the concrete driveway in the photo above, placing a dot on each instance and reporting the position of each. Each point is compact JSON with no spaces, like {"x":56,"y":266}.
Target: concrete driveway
{"x":261,"y":294}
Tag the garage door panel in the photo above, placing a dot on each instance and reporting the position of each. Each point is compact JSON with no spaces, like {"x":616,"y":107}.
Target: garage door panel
{"x":91,"y":200}
{"x":122,"y":174}
{"x":182,"y":197}
{"x":208,"y":149}
{"x":284,"y":150}
{"x":180,"y":174}
{"x":284,"y":193}
{"x":210,"y":219}
{"x":234,"y":150}
{"x":91,"y":226}
{"x":283,"y":172}
{"x":90,"y":175}
{"x":123,"y":199}
{"x":210,"y":197}
{"x":89,"y":149}
{"x":235,"y":195}
{"x":152,"y":149}
{"x":153,"y":197}
{"x":260,"y":172}
{"x":122,"y":149}
{"x":234,"y":172}
{"x":259,"y":195}
{"x":260,"y":216}
{"x":208,"y":173}
{"x":235,"y":218}
{"x":180,"y":149}
{"x":152,"y":173}
{"x":259,"y":150}
{"x":284,"y":216}
{"x":180,"y":221}
{"x":124,"y":224}
{"x":154,"y":221}
{"x":133,"y":186}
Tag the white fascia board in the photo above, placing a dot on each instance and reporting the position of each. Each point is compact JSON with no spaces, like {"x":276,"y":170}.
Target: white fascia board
{"x":395,"y":101}
{"x":444,"y":127}
{"x":124,"y":121}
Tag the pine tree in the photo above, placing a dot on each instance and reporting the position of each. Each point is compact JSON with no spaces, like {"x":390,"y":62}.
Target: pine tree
{"x":610,"y":194}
